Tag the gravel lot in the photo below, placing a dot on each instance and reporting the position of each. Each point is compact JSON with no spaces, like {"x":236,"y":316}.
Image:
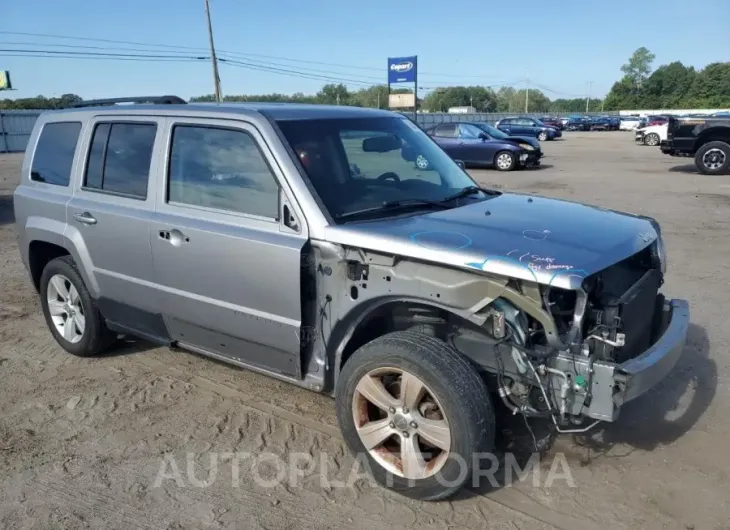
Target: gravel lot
{"x":82,"y":440}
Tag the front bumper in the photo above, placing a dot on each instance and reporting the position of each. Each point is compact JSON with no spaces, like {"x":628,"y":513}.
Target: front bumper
{"x":530,"y":159}
{"x":613,"y":384}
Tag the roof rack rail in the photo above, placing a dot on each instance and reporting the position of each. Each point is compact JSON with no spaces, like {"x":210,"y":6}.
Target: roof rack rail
{"x":161,"y":100}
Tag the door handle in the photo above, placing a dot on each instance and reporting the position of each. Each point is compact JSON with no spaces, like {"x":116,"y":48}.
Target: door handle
{"x":174,"y":236}
{"x":85,"y":218}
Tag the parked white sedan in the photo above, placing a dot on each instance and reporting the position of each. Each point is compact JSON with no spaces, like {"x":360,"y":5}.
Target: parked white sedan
{"x":652,"y":136}
{"x":629,"y":123}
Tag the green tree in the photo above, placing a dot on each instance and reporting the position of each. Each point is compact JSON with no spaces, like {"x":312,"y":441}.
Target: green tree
{"x":639,"y":65}
{"x":481,"y":98}
{"x":667,"y":87}
{"x":711,"y":87}
{"x":334,"y":94}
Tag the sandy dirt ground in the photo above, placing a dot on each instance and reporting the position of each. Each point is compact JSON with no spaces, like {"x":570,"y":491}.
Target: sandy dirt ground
{"x":83,"y":441}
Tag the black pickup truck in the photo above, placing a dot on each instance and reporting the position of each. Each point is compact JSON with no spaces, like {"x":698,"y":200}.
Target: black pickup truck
{"x":706,"y":139}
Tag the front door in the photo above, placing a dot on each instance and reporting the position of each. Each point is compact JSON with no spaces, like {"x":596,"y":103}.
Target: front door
{"x":228,"y":270}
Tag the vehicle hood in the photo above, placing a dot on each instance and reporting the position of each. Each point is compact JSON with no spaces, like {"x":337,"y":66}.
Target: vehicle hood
{"x":504,"y":143}
{"x":659,"y":129}
{"x":529,"y":140}
{"x":549,"y":241}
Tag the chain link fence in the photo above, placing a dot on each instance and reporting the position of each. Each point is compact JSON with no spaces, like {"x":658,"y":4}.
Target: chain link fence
{"x":15,"y":129}
{"x":16,"y":125}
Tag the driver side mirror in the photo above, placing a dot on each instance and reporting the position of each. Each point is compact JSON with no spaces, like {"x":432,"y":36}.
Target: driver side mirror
{"x":461,"y":164}
{"x":483,"y":136}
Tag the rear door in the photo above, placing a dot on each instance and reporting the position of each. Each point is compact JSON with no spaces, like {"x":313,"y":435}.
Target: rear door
{"x":109,"y":218}
{"x":446,"y":135}
{"x":227,"y":268}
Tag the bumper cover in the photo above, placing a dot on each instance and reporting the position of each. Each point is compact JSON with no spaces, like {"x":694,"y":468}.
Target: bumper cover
{"x":615,"y":384}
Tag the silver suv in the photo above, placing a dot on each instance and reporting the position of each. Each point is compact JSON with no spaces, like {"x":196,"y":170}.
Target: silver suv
{"x":305,"y":243}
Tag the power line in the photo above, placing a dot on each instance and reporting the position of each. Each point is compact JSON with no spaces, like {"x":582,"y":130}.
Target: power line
{"x":41,"y":55}
{"x":293,"y":73}
{"x":102,"y":54}
{"x":231,"y":53}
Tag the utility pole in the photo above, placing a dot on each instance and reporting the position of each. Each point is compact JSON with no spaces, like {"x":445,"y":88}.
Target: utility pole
{"x":527,"y":94}
{"x":338,"y":98}
{"x":588,"y":97}
{"x":216,"y":77}
{"x":378,"y":99}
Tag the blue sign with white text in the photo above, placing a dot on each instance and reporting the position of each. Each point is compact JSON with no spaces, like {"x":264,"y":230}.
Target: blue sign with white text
{"x":402,"y":69}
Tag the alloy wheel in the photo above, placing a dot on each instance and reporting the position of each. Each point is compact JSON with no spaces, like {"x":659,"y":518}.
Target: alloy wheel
{"x":65,"y":308}
{"x":421,"y":162}
{"x":713,"y":159}
{"x":504,"y":161}
{"x":401,"y":423}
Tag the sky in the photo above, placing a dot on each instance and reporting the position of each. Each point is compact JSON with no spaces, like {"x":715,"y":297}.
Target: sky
{"x":568,"y":48}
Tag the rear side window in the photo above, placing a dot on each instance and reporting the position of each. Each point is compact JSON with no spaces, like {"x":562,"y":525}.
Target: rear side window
{"x":54,"y":153}
{"x":447,"y":130}
{"x":120,"y":158}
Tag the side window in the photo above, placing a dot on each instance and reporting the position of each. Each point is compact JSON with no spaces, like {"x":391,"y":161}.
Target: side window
{"x":447,"y":130}
{"x":468,"y":131}
{"x":525,"y":122}
{"x":507,"y":121}
{"x":54,"y":153}
{"x":222,"y":169}
{"x":120,"y":158}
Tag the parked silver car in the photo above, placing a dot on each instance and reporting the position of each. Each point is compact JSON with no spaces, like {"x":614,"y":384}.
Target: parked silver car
{"x":299,"y":241}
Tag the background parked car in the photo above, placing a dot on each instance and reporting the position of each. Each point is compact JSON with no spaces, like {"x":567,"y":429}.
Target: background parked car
{"x":651,"y":135}
{"x":470,"y":144}
{"x":526,"y":126}
{"x":629,"y":123}
{"x":656,"y":120}
{"x":577,"y":123}
{"x":604,"y":123}
{"x":552,"y":122}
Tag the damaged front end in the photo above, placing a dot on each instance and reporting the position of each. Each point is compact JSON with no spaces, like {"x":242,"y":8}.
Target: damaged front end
{"x":607,"y":342}
{"x":569,"y":355}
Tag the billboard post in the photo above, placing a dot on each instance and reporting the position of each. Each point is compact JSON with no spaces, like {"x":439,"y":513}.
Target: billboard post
{"x":403,"y":70}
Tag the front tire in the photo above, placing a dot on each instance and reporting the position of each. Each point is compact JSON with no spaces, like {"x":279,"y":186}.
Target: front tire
{"x":418,"y":411}
{"x":713,"y":158}
{"x":651,"y":139}
{"x":505,"y":161}
{"x":70,"y":312}
{"x":542,"y":136}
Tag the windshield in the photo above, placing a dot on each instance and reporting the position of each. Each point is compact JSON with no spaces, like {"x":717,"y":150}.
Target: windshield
{"x":492,"y":131}
{"x":360,"y":163}
{"x":537,"y":122}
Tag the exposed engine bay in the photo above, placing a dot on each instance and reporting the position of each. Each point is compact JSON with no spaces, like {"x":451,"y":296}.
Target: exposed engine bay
{"x":547,"y":352}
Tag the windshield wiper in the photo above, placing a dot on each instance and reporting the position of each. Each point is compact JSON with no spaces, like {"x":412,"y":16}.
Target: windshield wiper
{"x":469,"y":190}
{"x":394,"y":205}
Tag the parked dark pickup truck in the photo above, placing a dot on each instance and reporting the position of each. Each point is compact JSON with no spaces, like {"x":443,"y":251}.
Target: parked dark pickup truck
{"x":706,"y":139}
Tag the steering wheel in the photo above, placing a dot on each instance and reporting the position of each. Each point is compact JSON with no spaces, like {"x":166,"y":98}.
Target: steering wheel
{"x":388,"y":175}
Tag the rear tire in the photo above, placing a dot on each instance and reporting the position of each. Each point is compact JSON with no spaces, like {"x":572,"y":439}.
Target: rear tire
{"x":71,"y":314}
{"x":452,"y":396}
{"x":713,"y":158}
{"x":505,"y":161}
